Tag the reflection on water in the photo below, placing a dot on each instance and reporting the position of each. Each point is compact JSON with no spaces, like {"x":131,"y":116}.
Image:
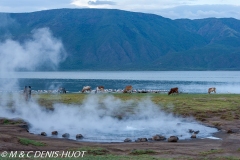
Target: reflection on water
{"x":187,"y":81}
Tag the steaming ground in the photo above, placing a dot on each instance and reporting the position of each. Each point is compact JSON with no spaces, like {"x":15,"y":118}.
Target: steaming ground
{"x":105,"y":119}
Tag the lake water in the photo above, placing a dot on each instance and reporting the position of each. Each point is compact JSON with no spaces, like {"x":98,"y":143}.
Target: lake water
{"x":186,"y":81}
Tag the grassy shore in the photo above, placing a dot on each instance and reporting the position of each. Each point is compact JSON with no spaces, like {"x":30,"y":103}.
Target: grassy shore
{"x":201,"y":106}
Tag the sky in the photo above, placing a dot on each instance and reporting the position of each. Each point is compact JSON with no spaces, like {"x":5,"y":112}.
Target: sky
{"x":174,"y":9}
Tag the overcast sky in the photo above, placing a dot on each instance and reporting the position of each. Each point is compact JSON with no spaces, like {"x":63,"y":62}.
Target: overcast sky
{"x":192,"y":9}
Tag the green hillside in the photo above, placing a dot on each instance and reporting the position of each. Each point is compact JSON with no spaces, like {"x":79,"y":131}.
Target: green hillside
{"x":101,"y":39}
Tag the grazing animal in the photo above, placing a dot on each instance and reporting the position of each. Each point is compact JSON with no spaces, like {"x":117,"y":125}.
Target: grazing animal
{"x":100,"y":88}
{"x":173,"y":90}
{"x":62,"y":90}
{"x":128,"y":89}
{"x":213,"y":89}
{"x":86,"y":88}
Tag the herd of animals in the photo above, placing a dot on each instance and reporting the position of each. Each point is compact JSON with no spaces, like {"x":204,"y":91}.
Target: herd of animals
{"x":128,"y":89}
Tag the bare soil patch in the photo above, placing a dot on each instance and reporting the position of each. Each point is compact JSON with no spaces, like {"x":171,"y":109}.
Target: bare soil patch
{"x":228,"y":146}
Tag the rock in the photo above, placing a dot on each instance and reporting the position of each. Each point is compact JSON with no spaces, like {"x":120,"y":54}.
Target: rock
{"x":55,"y":133}
{"x":236,"y":117}
{"x":159,"y":138}
{"x":25,"y":126}
{"x":43,"y":134}
{"x":173,"y":139}
{"x":79,"y":136}
{"x":66,"y":135}
{"x":141,"y":140}
{"x":127,"y":140}
{"x":194,"y":136}
{"x":190,"y":131}
{"x":22,"y":124}
{"x":232,"y":130}
{"x":150,"y":139}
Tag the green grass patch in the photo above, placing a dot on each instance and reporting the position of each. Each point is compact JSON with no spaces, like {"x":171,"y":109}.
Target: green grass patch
{"x":127,"y":157}
{"x":6,"y":121}
{"x":123,"y":157}
{"x":213,"y":151}
{"x":224,"y":158}
{"x":26,"y":141}
{"x":113,"y":157}
{"x":92,"y":150}
{"x":10,"y":121}
{"x":140,"y":152}
{"x":201,"y":106}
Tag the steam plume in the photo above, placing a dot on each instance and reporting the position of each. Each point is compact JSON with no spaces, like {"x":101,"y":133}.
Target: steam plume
{"x":41,"y":50}
{"x":107,"y":119}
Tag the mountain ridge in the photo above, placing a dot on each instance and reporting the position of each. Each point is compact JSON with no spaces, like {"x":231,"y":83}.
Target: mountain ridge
{"x":103,"y":39}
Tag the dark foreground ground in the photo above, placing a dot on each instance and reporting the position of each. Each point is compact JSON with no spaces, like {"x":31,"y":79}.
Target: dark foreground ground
{"x":226,"y":148}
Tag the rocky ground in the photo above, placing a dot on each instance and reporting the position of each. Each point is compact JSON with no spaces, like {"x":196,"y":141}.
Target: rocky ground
{"x":228,"y":146}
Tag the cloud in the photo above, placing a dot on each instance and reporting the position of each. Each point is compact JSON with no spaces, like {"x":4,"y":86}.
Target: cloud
{"x":93,"y":3}
{"x":98,"y":2}
{"x":14,"y":6}
{"x":192,"y":9}
{"x":152,"y":4}
{"x":201,"y":11}
{"x":173,"y":9}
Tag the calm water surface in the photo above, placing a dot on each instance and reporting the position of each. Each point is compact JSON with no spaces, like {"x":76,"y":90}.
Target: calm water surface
{"x":187,"y":81}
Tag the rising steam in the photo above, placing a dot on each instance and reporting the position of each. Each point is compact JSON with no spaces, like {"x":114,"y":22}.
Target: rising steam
{"x":106,"y":119}
{"x":41,"y":50}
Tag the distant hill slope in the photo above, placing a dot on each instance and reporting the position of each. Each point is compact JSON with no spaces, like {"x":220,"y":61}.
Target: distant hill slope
{"x":101,"y":39}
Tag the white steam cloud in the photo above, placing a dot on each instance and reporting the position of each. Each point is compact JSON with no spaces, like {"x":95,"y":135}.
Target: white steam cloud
{"x":41,"y":50}
{"x":106,"y":119}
